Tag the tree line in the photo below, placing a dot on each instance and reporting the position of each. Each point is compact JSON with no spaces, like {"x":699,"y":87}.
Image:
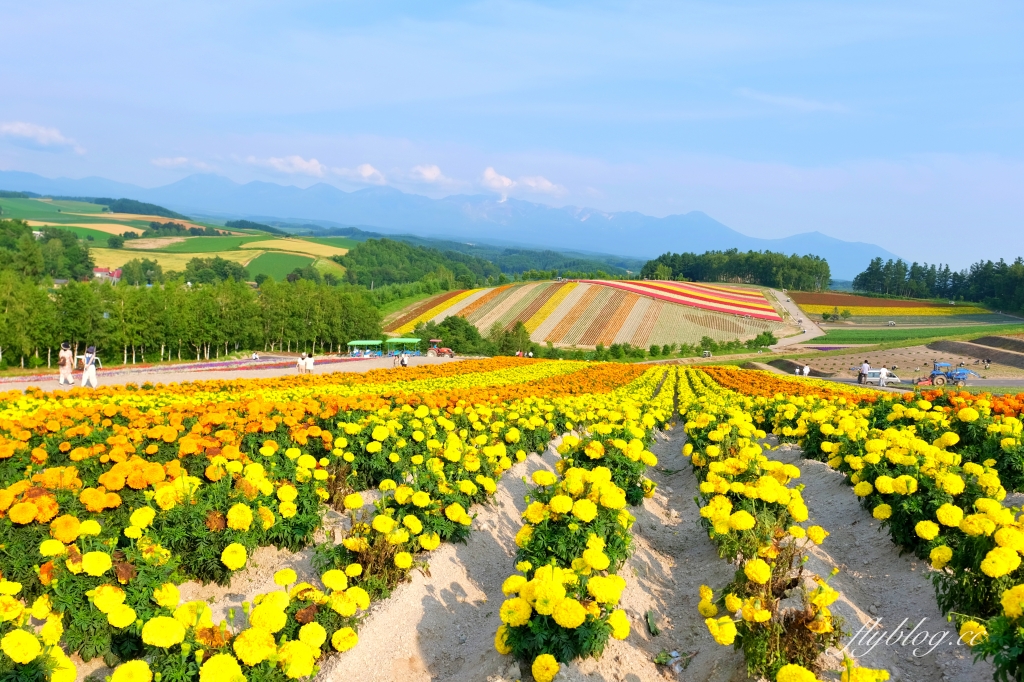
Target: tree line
{"x":177,"y":321}
{"x":765,"y":268}
{"x":997,"y":284}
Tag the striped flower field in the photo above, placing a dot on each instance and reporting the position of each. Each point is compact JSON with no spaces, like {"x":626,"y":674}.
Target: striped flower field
{"x":586,"y":313}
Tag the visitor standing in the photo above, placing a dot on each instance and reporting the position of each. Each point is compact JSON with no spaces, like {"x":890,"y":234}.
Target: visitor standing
{"x":807,"y":370}
{"x":883,"y":374}
{"x":405,"y":360}
{"x":300,"y":364}
{"x":89,"y":373}
{"x":309,"y":363}
{"x":863,"y":372}
{"x":66,"y":362}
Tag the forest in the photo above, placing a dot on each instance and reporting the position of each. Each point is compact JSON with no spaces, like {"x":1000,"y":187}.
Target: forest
{"x":384,"y":261}
{"x":765,"y":268}
{"x":997,"y":284}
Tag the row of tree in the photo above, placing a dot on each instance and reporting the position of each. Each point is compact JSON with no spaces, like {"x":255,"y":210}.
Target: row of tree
{"x":765,"y":268}
{"x":996,"y":283}
{"x":178,"y":321}
{"x":385,"y":261}
{"x":56,"y":254}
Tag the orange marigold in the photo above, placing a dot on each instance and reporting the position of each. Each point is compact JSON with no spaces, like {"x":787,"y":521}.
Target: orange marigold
{"x":23,"y":512}
{"x":65,"y":528}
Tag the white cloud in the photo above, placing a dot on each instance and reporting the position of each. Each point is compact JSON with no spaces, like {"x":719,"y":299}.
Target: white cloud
{"x":292,"y":165}
{"x":431,"y":174}
{"x":795,"y":103}
{"x":38,"y":136}
{"x":181,"y":162}
{"x":541,"y":185}
{"x":362,"y":173}
{"x":494,"y":180}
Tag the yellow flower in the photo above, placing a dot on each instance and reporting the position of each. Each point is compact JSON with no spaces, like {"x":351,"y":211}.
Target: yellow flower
{"x":863,"y":489}
{"x":817,"y":534}
{"x":403,"y":560}
{"x":972,"y":632}
{"x":544,"y":668}
{"x":723,"y":630}
{"x":1013,"y":602}
{"x":233,"y":556}
{"x":142,"y":517}
{"x":221,"y":668}
{"x":949,"y":515}
{"x":313,"y":635}
{"x":882,"y":512}
{"x":285,"y":576}
{"x":561,"y":504}
{"x":353,"y":501}
{"x":926,"y":530}
{"x":1000,"y":561}
{"x":240,"y":517}
{"x":791,"y":672}
{"x":355,"y":570}
{"x":500,"y":641}
{"x":163,"y":632}
{"x":515,"y":612}
{"x":344,"y":639}
{"x":96,"y":563}
{"x":569,"y":614}
{"x":21,"y":646}
{"x":584,"y":510}
{"x":967,"y":414}
{"x":741,"y":520}
{"x":334,"y":580}
{"x":296,"y":659}
{"x":269,"y":617}
{"x":121,"y":616}
{"x":544,"y":477}
{"x":940,"y":556}
{"x":758,"y":571}
{"x":132,"y":671}
{"x":254,"y":645}
{"x":620,"y":624}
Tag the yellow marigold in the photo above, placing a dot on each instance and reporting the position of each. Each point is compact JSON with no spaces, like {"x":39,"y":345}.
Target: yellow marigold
{"x":428,"y":542}
{"x":515,"y":612}
{"x":882,"y":512}
{"x":620,"y":624}
{"x":967,"y":414}
{"x":313,"y":635}
{"x":949,"y":515}
{"x":89,"y":527}
{"x":163,"y":632}
{"x":972,"y":632}
{"x":421,"y":499}
{"x":758,"y":571}
{"x":926,"y":530}
{"x":233,"y":556}
{"x":96,"y":563}
{"x":142,"y":517}
{"x":742,"y":520}
{"x":194,"y":614}
{"x":561,"y":504}
{"x":722,"y":630}
{"x":863,"y":489}
{"x":584,"y":510}
{"x":287,"y":493}
{"x":296,"y":659}
{"x":501,"y":642}
{"x":544,"y":668}
{"x":544,"y":477}
{"x":1013,"y":602}
{"x":569,"y":614}
{"x":353,"y":501}
{"x":403,"y":560}
{"x":940,"y":556}
{"x":268,"y":617}
{"x":121,"y":616}
{"x":254,"y":645}
{"x":221,"y":668}
{"x":132,"y":671}
{"x":65,"y":528}
{"x":513,"y":584}
{"x":285,"y":577}
{"x":344,"y":639}
{"x":1000,"y":561}
{"x":21,"y":646}
{"x":334,"y":579}
{"x":240,"y":517}
{"x":791,"y":672}
{"x":49,"y":548}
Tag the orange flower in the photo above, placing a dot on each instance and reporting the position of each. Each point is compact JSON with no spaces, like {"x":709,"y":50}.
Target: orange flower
{"x":23,"y":512}
{"x":65,"y":528}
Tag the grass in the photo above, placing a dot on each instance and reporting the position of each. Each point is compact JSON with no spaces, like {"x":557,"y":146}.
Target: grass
{"x":115,"y":258}
{"x":276,"y":265}
{"x":297,"y":246}
{"x":339,"y":242}
{"x":208,"y":244}
{"x":896,"y":334}
{"x":34,"y":209}
{"x":326,"y":265}
{"x":98,"y":238}
{"x":398,"y":304}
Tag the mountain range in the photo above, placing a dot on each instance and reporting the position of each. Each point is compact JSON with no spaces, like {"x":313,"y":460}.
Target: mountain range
{"x":476,"y":218}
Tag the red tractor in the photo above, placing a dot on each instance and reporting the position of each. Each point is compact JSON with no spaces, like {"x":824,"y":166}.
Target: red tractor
{"x":436,"y":350}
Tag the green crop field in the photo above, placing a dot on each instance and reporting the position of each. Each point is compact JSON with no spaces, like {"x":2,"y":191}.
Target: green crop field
{"x":98,"y":238}
{"x":326,"y":265}
{"x":50,"y":211}
{"x":340,"y":242}
{"x":892,"y":334}
{"x":277,"y":265}
{"x":937,"y":321}
{"x":208,"y":244}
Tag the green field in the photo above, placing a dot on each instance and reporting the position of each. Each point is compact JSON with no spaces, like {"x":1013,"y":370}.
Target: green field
{"x":340,"y":242}
{"x":208,"y":244}
{"x":935,"y":321}
{"x":52,"y":211}
{"x":326,"y":265}
{"x":277,"y":265}
{"x":893,"y":334}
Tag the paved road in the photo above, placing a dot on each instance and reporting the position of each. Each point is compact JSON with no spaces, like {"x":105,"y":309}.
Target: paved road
{"x":812,"y":330}
{"x":167,"y":375}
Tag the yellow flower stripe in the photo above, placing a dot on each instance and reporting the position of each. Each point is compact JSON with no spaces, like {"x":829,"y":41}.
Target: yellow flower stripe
{"x":894,"y":311}
{"x":549,"y":307}
{"x":435,"y":311}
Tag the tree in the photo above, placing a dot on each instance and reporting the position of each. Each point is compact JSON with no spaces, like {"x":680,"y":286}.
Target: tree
{"x":115,"y":241}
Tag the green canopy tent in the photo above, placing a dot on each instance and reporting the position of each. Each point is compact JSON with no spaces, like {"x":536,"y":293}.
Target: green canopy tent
{"x":364,"y":348}
{"x":397,"y":346}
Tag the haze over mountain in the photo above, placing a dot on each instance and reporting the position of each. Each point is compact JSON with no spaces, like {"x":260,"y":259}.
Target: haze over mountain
{"x":481,"y":217}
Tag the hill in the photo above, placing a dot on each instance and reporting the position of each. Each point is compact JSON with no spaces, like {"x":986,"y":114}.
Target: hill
{"x":587,"y":313}
{"x":479,"y":218}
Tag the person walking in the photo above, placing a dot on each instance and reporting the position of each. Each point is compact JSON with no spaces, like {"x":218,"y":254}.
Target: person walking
{"x":300,"y":364}
{"x":309,"y":363}
{"x":66,"y":362}
{"x":883,"y":374}
{"x":807,"y":370}
{"x":863,"y":378}
{"x":405,"y":360}
{"x":89,"y":373}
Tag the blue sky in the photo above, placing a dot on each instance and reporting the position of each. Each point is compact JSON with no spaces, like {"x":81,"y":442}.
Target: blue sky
{"x":894,"y":123}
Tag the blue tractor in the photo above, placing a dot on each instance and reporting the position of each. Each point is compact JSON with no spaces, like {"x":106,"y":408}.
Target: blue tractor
{"x":944,"y":373}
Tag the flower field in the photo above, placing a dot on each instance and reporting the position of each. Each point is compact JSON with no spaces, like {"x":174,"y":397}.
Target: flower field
{"x":898,"y":311}
{"x":113,"y":500}
{"x":586,"y":313}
